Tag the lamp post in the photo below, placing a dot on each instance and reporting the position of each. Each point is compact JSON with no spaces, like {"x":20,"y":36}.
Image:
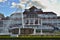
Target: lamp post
{"x":21,"y":9}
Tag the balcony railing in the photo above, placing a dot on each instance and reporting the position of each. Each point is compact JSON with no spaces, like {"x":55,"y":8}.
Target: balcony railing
{"x":15,"y":25}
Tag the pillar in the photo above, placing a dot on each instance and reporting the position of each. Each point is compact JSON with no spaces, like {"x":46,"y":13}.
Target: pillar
{"x":34,"y":31}
{"x":19,"y":31}
{"x":34,"y":22}
{"x":41,"y":27}
{"x":38,"y":21}
{"x":29,"y":22}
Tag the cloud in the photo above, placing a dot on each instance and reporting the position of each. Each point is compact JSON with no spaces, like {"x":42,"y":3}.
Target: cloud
{"x":37,"y":4}
{"x":3,"y":0}
{"x":27,"y":4}
{"x":17,"y":5}
{"x":53,"y":1}
{"x":13,"y":4}
{"x":23,"y":1}
{"x":50,"y":5}
{"x":32,"y":3}
{"x":35,"y":0}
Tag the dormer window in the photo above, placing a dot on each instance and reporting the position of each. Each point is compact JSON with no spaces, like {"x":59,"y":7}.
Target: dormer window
{"x":27,"y":10}
{"x":32,"y":15}
{"x":36,"y":10}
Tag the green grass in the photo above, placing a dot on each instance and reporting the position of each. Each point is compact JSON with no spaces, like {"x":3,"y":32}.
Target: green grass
{"x":31,"y":36}
{"x":37,"y":36}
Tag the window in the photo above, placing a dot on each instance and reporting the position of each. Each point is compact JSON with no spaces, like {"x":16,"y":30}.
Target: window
{"x":15,"y":31}
{"x":31,"y":21}
{"x":36,"y":22}
{"x":1,"y":23}
{"x":38,"y":30}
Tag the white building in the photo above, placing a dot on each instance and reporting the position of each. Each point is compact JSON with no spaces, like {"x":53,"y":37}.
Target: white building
{"x":35,"y":22}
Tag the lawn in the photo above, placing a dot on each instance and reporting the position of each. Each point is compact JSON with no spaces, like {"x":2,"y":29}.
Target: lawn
{"x":31,"y":36}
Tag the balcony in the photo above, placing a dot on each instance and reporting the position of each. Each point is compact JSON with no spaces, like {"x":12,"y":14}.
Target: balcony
{"x":15,"y":25}
{"x":31,"y":24}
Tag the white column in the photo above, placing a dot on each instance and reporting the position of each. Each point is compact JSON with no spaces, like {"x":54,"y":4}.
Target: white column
{"x":19,"y":31}
{"x":3,"y":25}
{"x":57,"y":22}
{"x":34,"y":31}
{"x":38,"y":21}
{"x":29,"y":22}
{"x":34,"y":22}
{"x":41,"y":27}
{"x":22,"y":21}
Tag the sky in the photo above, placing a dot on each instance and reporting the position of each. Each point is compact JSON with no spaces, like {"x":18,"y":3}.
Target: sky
{"x":7,"y":7}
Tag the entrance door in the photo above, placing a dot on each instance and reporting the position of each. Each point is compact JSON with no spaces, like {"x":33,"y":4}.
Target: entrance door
{"x":26,"y":31}
{"x":15,"y":31}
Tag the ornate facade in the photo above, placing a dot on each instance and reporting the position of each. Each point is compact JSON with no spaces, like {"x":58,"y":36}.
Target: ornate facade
{"x":35,"y":22}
